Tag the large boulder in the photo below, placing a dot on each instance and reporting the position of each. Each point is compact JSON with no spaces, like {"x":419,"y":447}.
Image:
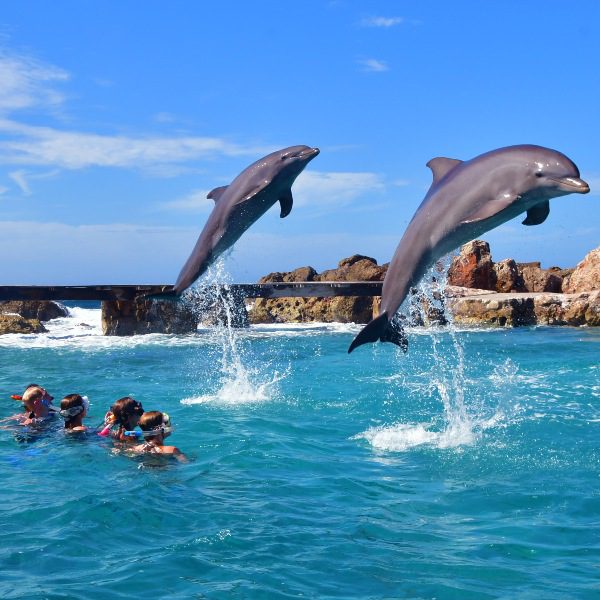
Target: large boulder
{"x":508,"y":277}
{"x":14,"y":323}
{"x":42,"y":310}
{"x":473,"y":267}
{"x":586,"y":275}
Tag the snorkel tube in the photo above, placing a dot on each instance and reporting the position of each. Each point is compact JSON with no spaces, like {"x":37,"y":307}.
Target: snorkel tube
{"x":109,"y":423}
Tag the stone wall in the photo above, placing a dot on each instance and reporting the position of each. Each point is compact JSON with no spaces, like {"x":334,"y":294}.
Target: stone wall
{"x":341,"y":309}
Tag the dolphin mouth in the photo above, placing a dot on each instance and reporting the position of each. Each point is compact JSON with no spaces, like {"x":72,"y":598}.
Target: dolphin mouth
{"x":310,"y":153}
{"x":572,"y":184}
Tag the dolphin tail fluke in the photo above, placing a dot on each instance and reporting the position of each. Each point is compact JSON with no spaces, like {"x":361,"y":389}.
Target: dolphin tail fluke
{"x":383,"y":330}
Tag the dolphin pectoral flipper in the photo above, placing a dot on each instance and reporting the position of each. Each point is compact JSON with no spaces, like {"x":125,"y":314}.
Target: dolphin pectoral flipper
{"x":286,"y":201}
{"x":383,"y":330}
{"x":491,"y":208}
{"x":537,"y":214}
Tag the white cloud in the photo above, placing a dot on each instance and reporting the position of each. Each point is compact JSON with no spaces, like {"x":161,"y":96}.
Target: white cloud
{"x":26,"y":82}
{"x":195,"y":202}
{"x":373,"y":65}
{"x":19,"y":177}
{"x":326,"y":191}
{"x":382,"y":21}
{"x":320,"y":191}
{"x":3,"y":190}
{"x":34,"y":145}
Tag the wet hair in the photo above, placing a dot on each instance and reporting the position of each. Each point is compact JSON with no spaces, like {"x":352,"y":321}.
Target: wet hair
{"x":31,"y":394}
{"x":151,"y":420}
{"x":124,"y":408}
{"x":71,"y":401}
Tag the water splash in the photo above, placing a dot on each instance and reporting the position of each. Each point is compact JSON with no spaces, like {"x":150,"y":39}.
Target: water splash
{"x":445,"y":378}
{"x":241,"y":378}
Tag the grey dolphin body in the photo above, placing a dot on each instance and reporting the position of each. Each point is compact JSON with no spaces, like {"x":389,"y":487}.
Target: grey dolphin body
{"x":465,"y":200}
{"x":241,"y":203}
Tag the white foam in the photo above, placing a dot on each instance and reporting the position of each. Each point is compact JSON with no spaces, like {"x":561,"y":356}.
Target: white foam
{"x":402,"y":437}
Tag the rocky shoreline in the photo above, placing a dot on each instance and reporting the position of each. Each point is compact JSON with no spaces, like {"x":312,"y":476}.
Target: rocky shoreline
{"x":479,"y":293}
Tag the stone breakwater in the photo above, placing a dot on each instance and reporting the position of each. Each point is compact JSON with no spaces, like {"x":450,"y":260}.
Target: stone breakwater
{"x":480,"y":292}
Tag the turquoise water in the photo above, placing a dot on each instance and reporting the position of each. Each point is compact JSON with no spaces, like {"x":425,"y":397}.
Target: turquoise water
{"x":468,"y":468}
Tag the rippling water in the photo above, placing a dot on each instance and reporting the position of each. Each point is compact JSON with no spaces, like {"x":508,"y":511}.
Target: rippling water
{"x":468,"y":468}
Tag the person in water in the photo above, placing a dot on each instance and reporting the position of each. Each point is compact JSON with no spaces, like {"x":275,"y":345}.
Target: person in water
{"x":73,"y":409}
{"x":37,"y":405}
{"x":125,"y":413}
{"x":156,"y":426}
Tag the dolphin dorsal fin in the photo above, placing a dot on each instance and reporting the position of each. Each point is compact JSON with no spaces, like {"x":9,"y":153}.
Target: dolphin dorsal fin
{"x":217,"y":193}
{"x":441,"y":166}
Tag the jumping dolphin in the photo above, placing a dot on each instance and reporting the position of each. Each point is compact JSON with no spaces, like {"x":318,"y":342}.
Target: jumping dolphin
{"x":465,"y":200}
{"x":241,"y":203}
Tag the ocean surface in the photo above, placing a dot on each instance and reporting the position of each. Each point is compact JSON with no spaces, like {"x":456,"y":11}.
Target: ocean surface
{"x":467,"y":468}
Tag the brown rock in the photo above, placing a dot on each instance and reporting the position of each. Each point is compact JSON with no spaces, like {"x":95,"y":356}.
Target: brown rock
{"x":536,"y":279}
{"x":13,"y":323}
{"x":586,"y":276}
{"x":42,"y":310}
{"x":507,"y":311}
{"x":508,"y":277}
{"x":341,"y":309}
{"x":301,"y":274}
{"x":123,"y":317}
{"x":473,"y":267}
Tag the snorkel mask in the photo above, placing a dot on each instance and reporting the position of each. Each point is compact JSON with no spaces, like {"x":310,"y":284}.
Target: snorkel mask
{"x":69,"y":413}
{"x":164,"y":428}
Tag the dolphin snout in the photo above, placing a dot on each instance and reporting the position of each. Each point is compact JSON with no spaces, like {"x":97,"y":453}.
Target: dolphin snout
{"x":572,"y":185}
{"x":312,"y":152}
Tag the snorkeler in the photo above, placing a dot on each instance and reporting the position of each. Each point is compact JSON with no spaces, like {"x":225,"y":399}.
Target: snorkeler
{"x":125,"y":413}
{"x":37,"y":405}
{"x":156,"y":426}
{"x":73,"y":408}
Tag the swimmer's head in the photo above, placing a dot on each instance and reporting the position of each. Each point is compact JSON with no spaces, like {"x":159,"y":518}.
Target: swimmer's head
{"x":127,"y":412}
{"x":73,"y":406}
{"x":155,"y":423}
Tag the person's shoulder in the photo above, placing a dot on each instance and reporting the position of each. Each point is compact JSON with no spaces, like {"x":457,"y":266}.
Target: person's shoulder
{"x":174,"y":451}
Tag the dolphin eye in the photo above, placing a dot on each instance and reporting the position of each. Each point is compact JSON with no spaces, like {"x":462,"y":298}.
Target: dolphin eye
{"x":539,"y":174}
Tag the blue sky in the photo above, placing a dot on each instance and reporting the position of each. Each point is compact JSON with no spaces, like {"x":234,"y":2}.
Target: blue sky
{"x":116,"y":119}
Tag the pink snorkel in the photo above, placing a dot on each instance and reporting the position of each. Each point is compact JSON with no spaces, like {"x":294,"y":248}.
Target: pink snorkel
{"x":109,"y":421}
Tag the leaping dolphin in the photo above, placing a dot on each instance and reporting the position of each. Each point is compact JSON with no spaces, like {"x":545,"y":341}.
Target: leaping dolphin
{"x":465,"y":200}
{"x":241,"y":203}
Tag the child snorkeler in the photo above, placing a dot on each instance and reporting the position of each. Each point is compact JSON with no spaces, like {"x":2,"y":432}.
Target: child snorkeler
{"x":73,"y":408}
{"x":125,"y":413}
{"x":156,"y":426}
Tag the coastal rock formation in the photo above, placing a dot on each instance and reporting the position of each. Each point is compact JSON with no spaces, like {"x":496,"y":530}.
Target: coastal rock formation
{"x":536,"y":279}
{"x":342,"y":309}
{"x":123,"y":317}
{"x":14,"y":323}
{"x":42,"y":310}
{"x":508,"y":277}
{"x":474,"y":268}
{"x":586,"y":275}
